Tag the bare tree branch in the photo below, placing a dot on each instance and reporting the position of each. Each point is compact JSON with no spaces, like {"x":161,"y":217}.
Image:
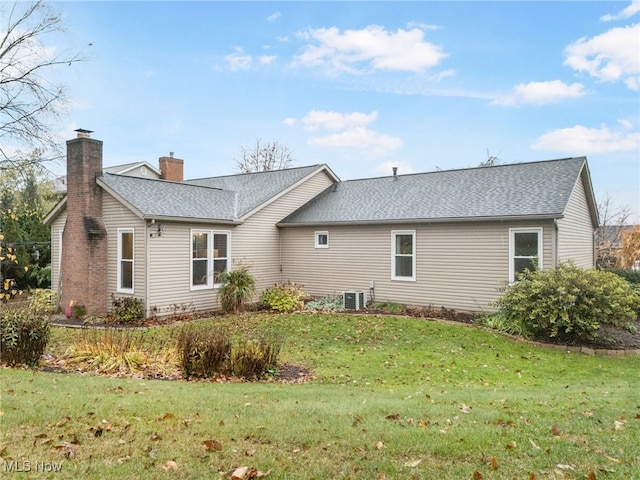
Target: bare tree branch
{"x":264,"y":157}
{"x":30,"y":103}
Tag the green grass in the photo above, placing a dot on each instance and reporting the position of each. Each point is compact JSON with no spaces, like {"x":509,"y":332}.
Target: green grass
{"x":392,"y":398}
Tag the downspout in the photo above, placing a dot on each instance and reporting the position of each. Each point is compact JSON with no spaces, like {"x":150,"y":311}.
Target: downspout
{"x":147,"y":255}
{"x":556,"y":240}
{"x":280,"y":246}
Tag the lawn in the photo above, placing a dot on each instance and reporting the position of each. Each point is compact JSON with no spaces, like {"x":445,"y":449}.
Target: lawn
{"x":392,"y":398}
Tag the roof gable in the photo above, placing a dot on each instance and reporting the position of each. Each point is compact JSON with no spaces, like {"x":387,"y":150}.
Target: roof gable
{"x":537,"y":189}
{"x":257,"y":189}
{"x":151,"y":198}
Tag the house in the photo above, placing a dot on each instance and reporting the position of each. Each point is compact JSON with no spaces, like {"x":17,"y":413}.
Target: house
{"x":446,"y":238}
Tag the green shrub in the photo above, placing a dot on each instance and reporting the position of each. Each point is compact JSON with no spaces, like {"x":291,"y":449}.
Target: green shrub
{"x":204,"y":352}
{"x":42,"y":301}
{"x":568,"y":303}
{"x":284,"y":297}
{"x":252,"y":359}
{"x":331,"y":303}
{"x":631,"y":276}
{"x":127,"y":309}
{"x":24,"y":335}
{"x":236,"y":289}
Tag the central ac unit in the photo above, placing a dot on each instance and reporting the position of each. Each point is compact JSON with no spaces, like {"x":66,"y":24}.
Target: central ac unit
{"x":354,"y":300}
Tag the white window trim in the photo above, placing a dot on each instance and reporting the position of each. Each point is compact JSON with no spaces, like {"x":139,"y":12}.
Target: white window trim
{"x":119,"y":287}
{"x":210,"y":258}
{"x":317,"y":238}
{"x":395,"y":233}
{"x":512,"y":247}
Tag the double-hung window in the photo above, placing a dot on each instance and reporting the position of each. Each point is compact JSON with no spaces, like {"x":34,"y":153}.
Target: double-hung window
{"x":209,"y":257}
{"x":525,"y":251}
{"x":125,"y":260}
{"x":403,"y":255}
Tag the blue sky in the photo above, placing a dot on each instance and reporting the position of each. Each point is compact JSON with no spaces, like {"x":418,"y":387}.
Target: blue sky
{"x":362,"y":86}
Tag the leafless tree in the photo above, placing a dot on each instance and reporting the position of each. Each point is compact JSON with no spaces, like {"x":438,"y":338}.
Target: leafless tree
{"x":264,"y":157}
{"x":30,"y":102}
{"x":609,"y":236}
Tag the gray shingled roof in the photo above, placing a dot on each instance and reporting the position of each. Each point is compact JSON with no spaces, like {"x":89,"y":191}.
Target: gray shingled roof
{"x":254,"y":189}
{"x":159,"y":198}
{"x":514,"y":190}
{"x":225,"y":198}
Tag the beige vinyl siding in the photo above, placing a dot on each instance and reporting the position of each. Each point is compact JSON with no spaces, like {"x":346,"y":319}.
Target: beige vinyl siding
{"x":575,"y":230}
{"x":459,"y":266}
{"x":255,"y":244}
{"x":117,"y":216}
{"x":169,"y":258}
{"x":139,"y":172}
{"x":57,"y":227}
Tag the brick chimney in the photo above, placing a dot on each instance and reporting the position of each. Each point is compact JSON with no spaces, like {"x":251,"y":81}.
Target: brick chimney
{"x":84,"y":241}
{"x":171,"y":168}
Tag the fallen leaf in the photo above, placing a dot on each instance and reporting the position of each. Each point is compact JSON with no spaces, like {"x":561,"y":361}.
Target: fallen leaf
{"x":167,"y":416}
{"x":170,"y":465}
{"x":562,"y":466}
{"x":494,"y":463}
{"x":587,"y":413}
{"x":533,"y":444}
{"x":210,"y":445}
{"x":393,"y":416}
{"x":379,"y":446}
{"x":591,"y":476}
{"x":412,"y":463}
{"x":465,"y":408}
{"x":477,"y":475}
{"x":555,"y":431}
{"x":618,"y":424}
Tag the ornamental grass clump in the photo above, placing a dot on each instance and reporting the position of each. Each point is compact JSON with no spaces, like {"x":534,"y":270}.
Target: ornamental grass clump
{"x":204,"y":352}
{"x":236,"y":289}
{"x":568,"y":303}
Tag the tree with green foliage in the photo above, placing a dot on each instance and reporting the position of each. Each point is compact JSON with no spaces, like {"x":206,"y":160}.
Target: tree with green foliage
{"x":25,"y":242}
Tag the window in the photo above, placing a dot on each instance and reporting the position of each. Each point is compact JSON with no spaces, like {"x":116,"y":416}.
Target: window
{"x":525,"y":251}
{"x":125,"y":260}
{"x":322,"y":239}
{"x":209,"y":257}
{"x":403,"y":255}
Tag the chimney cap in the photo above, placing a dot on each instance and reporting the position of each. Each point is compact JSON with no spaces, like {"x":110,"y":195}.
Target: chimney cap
{"x":82,"y":133}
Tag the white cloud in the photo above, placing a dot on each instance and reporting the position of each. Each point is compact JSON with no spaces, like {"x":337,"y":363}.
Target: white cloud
{"x":581,"y":140}
{"x":267,"y":59}
{"x":628,"y":12}
{"x":238,"y":60}
{"x":274,"y":16}
{"x":289,"y":121}
{"x":371,"y":48}
{"x":316,"y":119}
{"x":540,"y":93}
{"x":610,"y":56}
{"x":360,"y":138}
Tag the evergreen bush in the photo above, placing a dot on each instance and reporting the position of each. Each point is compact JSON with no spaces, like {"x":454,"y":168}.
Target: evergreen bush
{"x":568,"y":303}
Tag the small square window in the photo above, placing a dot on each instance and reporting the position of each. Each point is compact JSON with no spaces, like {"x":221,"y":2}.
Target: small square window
{"x":322,"y":239}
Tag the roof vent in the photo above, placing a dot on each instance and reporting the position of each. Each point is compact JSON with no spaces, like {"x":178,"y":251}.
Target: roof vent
{"x":395,"y":173}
